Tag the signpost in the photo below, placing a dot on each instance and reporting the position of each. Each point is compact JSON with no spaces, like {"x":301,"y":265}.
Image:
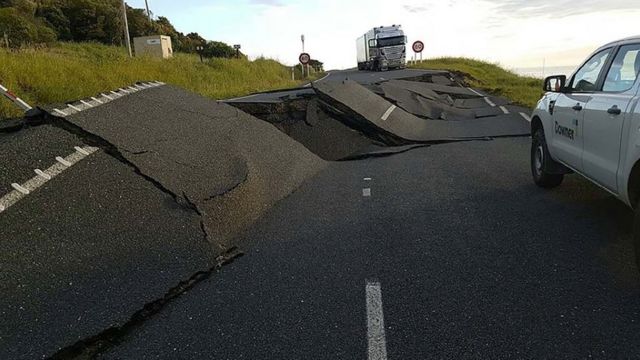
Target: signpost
{"x":237,"y":47}
{"x":304,"y":60}
{"x":200,"y":49}
{"x":418,"y":47}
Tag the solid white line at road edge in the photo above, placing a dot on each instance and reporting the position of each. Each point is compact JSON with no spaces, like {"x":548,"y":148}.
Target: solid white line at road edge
{"x":475,"y":92}
{"x":489,"y":102}
{"x":377,"y":343}
{"x":525,"y":116}
{"x":504,"y":109}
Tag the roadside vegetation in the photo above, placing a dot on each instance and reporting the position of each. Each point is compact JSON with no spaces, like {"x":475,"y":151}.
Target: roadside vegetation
{"x":522,"y":90}
{"x":70,"y":71}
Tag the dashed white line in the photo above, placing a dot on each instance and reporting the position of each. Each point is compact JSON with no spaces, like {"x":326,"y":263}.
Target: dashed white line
{"x":60,"y":112}
{"x":525,"y":116}
{"x":475,"y":92}
{"x":42,"y":174}
{"x":74,"y":107}
{"x":377,"y":343}
{"x":81,"y":150}
{"x":387,"y":113}
{"x":366,"y":192}
{"x":489,"y":102}
{"x":367,"y":179}
{"x":504,"y":109}
{"x":42,"y":178}
{"x":20,"y":188}
{"x":63,"y":161}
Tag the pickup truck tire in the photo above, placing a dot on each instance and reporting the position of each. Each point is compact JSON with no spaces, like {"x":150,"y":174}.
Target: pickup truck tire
{"x":539,"y":157}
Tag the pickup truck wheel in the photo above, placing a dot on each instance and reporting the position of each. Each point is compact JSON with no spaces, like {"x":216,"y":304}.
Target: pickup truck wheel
{"x":539,"y":157}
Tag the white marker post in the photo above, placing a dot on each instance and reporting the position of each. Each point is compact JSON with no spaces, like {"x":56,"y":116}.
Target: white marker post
{"x":14,"y":99}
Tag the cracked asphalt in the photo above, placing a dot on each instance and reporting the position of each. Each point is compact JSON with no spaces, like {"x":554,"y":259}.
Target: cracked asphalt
{"x":474,"y":261}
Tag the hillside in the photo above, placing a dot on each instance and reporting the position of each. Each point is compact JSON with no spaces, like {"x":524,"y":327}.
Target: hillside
{"x":525,"y":91}
{"x":70,"y":71}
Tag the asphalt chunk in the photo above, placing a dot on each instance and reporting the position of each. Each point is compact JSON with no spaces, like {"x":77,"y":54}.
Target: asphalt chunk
{"x":85,"y":251}
{"x":28,"y":149}
{"x":225,"y":164}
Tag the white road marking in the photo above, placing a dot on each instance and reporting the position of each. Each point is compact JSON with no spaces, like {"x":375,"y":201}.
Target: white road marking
{"x":63,"y":161}
{"x":42,"y":174}
{"x":475,"y":92}
{"x":504,"y":109}
{"x":366,"y":192}
{"x":60,"y":112}
{"x":242,"y":97}
{"x":377,"y":344}
{"x":74,"y":107}
{"x":86,"y":103}
{"x":20,"y":188}
{"x":81,"y":150}
{"x":107,"y":96}
{"x":324,"y":77}
{"x":387,"y":113}
{"x":382,"y":78}
{"x":367,"y":179}
{"x":96,"y":100}
{"x":117,"y":94}
{"x":42,"y":178}
{"x":489,"y":102}
{"x":525,"y":116}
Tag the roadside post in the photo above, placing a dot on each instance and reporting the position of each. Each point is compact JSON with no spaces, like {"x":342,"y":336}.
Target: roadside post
{"x":304,"y":61}
{"x":200,"y":50}
{"x":418,"y":47}
{"x":6,"y":40}
{"x":127,"y":38}
{"x":237,"y":47}
{"x":14,"y":99}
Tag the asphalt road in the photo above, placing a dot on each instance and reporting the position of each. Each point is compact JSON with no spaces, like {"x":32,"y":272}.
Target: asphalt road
{"x":474,"y":261}
{"x":446,"y":251}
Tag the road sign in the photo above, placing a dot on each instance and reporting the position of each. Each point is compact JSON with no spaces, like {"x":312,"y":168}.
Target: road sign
{"x":304,"y":58}
{"x":237,"y":47}
{"x":418,"y":46}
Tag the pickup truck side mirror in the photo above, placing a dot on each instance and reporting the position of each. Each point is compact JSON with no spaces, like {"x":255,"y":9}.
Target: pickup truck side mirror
{"x":555,"y":83}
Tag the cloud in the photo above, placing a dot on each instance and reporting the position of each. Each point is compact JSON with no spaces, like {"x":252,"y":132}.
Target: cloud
{"x":276,"y":3}
{"x":559,"y":8}
{"x":415,"y":9}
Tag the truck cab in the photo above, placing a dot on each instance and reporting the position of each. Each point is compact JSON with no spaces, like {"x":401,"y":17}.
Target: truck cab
{"x":382,"y":48}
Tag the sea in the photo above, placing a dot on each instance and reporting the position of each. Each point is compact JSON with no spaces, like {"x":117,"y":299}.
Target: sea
{"x":542,"y":72}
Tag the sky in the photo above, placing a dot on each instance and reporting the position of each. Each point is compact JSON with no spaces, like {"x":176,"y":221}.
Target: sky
{"x":513,"y":33}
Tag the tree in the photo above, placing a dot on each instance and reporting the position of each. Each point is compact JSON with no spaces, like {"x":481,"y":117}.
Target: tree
{"x":56,"y":20}
{"x":218,"y":49}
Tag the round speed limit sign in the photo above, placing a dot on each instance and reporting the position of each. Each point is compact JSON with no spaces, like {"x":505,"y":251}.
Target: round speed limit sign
{"x":304,"y":58}
{"x":418,"y":46}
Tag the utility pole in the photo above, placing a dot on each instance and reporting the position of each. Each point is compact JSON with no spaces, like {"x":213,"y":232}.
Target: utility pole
{"x":126,"y":28}
{"x":302,"y":65}
{"x":146,"y":3}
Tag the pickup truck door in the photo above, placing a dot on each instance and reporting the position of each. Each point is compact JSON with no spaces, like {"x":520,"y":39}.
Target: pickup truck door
{"x":568,"y":113}
{"x":604,"y":118}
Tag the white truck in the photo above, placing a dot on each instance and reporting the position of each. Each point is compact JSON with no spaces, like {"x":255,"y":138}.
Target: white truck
{"x":382,"y":48}
{"x":590,"y":124}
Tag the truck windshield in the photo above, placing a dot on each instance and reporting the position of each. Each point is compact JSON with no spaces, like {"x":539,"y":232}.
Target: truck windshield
{"x":391,"y":41}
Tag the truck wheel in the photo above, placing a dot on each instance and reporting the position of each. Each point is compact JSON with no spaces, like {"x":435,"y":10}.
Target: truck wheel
{"x":636,"y":233}
{"x":539,"y":158}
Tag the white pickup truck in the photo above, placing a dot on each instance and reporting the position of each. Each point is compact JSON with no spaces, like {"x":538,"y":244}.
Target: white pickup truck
{"x":590,"y":124}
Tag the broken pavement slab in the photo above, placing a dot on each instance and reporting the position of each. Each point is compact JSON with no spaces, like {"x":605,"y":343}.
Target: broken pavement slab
{"x":225,"y":164}
{"x":371,"y":112}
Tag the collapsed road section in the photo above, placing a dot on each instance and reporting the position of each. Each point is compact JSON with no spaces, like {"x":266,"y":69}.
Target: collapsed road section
{"x":173,"y":178}
{"x":344,"y":119}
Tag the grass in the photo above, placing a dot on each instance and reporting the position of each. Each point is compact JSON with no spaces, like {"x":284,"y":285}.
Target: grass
{"x":522,"y":90}
{"x":71,"y":71}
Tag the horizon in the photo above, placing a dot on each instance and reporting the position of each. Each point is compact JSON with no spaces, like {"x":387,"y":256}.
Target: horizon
{"x":505,"y":32}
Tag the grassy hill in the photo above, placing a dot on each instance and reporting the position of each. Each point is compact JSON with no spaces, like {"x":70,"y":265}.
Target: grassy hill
{"x":70,"y":71}
{"x":525,"y":91}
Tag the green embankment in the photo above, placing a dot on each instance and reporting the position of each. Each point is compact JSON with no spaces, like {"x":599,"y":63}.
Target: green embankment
{"x":525,"y":91}
{"x":70,"y":71}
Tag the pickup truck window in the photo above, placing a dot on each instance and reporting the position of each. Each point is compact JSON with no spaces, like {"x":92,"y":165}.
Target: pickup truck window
{"x":624,"y":69}
{"x":586,"y":78}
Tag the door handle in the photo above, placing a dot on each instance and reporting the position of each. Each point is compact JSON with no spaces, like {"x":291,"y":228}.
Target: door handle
{"x":614,"y":110}
{"x":577,"y":107}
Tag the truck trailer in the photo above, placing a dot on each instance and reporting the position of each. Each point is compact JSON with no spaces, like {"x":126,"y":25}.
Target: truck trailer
{"x":382,"y":48}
